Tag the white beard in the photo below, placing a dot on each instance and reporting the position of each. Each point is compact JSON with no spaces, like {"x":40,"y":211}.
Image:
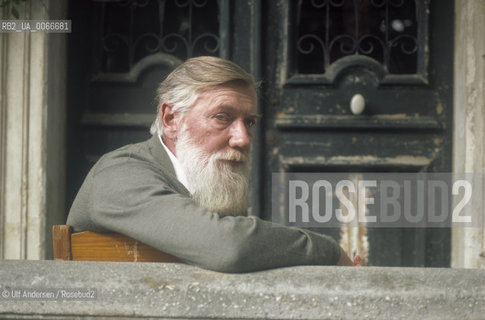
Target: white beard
{"x":217,"y":185}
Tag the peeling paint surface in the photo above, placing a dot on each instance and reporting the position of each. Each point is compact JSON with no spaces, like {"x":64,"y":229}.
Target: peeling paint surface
{"x":353,"y":236}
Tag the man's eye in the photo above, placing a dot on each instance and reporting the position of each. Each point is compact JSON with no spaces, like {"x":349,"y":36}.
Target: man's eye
{"x":222,"y":117}
{"x":250,"y":123}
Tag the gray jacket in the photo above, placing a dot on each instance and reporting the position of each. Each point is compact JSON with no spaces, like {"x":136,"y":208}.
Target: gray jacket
{"x":134,"y":191}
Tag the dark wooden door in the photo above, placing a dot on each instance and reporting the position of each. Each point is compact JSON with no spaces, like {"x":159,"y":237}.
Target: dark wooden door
{"x":397,"y":55}
{"x":312,"y":56}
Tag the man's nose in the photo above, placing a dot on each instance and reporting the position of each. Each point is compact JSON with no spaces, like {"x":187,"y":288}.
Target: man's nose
{"x":240,"y":136}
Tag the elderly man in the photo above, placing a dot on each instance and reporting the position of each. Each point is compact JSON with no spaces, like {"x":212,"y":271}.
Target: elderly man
{"x":185,"y":190}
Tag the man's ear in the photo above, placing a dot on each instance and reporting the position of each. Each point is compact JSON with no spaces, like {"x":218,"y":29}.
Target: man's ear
{"x":169,"y":120}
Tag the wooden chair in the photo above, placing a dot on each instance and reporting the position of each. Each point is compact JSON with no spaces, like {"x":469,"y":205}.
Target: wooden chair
{"x":92,"y":246}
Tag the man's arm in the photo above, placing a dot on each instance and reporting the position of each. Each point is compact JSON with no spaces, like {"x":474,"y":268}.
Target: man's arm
{"x":137,"y":202}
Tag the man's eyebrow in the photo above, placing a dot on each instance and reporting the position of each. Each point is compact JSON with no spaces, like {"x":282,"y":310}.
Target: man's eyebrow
{"x":256,"y":115}
{"x":252,"y":114}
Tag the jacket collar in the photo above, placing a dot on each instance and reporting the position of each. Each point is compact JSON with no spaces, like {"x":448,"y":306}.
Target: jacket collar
{"x":162,"y":158}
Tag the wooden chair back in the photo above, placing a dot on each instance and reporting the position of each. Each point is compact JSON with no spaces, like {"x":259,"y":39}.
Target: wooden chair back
{"x":92,"y":246}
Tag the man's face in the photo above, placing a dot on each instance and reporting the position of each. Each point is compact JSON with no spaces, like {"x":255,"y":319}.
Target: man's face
{"x":222,"y":119}
{"x":213,"y":143}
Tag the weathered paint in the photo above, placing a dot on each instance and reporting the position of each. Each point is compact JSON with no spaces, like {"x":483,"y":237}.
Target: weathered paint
{"x":353,"y":236}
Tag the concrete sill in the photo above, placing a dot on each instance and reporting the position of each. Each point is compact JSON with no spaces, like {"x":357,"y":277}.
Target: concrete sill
{"x":151,"y":290}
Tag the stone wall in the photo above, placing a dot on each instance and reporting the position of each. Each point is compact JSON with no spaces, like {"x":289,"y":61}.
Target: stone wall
{"x":169,"y":291}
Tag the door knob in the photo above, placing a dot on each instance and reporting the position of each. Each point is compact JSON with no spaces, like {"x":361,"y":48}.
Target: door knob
{"x":357,"y":103}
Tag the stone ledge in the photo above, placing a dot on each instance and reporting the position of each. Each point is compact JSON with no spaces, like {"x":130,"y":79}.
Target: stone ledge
{"x":150,"y":290}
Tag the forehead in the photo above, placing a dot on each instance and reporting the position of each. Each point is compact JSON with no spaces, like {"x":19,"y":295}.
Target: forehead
{"x":228,"y":95}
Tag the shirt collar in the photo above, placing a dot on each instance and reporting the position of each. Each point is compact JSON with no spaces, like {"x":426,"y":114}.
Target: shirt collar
{"x":179,"y":170}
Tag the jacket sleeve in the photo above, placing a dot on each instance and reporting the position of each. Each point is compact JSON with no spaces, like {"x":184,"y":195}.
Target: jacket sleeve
{"x":134,"y":200}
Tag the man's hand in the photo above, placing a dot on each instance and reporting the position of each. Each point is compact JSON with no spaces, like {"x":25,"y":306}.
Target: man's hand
{"x":345,"y":260}
{"x":358,"y":261}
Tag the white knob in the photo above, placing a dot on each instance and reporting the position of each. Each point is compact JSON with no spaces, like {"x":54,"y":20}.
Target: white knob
{"x":357,"y":104}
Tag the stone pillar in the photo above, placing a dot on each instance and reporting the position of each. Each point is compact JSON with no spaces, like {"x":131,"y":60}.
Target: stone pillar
{"x":468,"y":244}
{"x":32,"y":135}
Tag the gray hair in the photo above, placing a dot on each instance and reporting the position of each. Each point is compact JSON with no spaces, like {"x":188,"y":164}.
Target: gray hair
{"x":183,"y":85}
